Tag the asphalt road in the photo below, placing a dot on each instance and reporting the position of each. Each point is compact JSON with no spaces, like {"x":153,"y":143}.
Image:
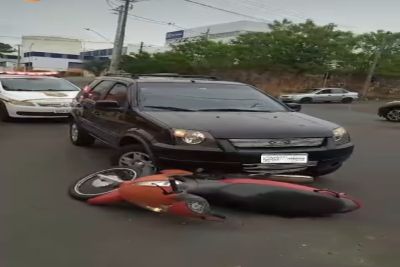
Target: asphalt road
{"x":40,"y":226}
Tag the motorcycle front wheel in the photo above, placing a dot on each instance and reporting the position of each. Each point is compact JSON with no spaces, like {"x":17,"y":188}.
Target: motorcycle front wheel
{"x":102,"y":182}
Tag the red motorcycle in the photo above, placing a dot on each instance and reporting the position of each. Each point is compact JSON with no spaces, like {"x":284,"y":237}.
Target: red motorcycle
{"x":186,"y":194}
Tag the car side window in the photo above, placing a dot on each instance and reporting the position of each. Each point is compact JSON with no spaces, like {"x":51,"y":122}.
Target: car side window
{"x":338,"y":91}
{"x":324,"y":92}
{"x":118,"y":93}
{"x":100,"y":90}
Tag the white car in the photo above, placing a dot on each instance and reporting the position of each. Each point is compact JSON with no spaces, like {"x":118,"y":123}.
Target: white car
{"x":35,"y":96}
{"x":322,"y":95}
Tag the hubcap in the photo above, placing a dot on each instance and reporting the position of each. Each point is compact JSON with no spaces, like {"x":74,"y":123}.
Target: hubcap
{"x":138,"y":159}
{"x":394,"y":115}
{"x":74,"y":132}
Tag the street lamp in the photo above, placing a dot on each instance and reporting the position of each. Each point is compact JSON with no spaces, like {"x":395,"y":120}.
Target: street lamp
{"x":99,"y":34}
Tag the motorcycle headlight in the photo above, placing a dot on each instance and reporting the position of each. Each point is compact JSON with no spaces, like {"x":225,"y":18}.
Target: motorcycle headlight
{"x":22,"y":103}
{"x":190,"y":137}
{"x":341,"y":136}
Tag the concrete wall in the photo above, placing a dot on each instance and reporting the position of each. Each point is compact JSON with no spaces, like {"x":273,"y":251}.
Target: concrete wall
{"x":53,"y":64}
{"x":51,"y":45}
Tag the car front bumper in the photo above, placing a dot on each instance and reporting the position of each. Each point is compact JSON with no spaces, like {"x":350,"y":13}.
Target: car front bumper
{"x":16,"y":111}
{"x":229,"y":158}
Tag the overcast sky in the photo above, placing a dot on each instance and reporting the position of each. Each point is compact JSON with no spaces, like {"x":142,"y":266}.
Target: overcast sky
{"x":69,"y":17}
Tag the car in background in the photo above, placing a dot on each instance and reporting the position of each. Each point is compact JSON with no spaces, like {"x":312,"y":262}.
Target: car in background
{"x":322,"y":95}
{"x":196,"y":122}
{"x":390,"y":111}
{"x":35,"y":95}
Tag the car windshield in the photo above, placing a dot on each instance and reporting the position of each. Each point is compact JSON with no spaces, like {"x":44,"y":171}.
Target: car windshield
{"x":205,"y":97}
{"x":36,"y":84}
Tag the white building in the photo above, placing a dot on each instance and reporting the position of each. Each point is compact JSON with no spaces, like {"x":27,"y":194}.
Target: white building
{"x":8,"y":62}
{"x":224,"y":32}
{"x":127,"y":50}
{"x":51,"y":53}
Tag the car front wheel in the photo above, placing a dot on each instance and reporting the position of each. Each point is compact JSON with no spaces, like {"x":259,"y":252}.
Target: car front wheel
{"x":393,"y":115}
{"x":136,"y":156}
{"x":79,"y":136}
{"x":306,"y":100}
{"x":4,"y":116}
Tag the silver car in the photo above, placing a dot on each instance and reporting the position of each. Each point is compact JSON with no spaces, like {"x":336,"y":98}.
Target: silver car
{"x":322,"y":95}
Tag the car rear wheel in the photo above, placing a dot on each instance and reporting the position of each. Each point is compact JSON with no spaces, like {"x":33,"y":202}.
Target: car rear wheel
{"x":306,"y":100}
{"x":393,"y":115}
{"x":135,"y":156}
{"x":347,"y":100}
{"x":79,"y":136}
{"x":4,"y":116}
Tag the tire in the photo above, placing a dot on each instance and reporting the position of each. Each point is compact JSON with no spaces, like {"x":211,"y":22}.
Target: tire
{"x":79,"y":136}
{"x":393,"y":114}
{"x":347,"y":100}
{"x":125,"y":174}
{"x":4,"y":116}
{"x":144,"y":158}
{"x":306,"y":100}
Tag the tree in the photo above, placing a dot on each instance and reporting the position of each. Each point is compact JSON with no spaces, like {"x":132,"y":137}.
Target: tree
{"x":303,"y":47}
{"x":96,"y":66}
{"x":5,"y":48}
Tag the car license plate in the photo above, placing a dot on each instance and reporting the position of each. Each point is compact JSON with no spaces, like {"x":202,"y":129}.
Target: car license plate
{"x":284,"y":158}
{"x":62,"y":110}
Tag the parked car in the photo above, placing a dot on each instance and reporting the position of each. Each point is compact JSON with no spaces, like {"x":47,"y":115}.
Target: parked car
{"x":322,"y":95}
{"x":198,"y":122}
{"x":390,"y":111}
{"x":35,"y":95}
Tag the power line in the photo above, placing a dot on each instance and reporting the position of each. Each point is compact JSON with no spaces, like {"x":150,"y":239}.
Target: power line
{"x":160,"y":22}
{"x":227,"y":11}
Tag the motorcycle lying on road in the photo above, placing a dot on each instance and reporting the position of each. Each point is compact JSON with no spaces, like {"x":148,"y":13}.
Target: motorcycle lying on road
{"x":183,"y":193}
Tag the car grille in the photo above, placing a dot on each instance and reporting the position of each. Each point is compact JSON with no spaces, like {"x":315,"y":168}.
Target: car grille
{"x":55,"y":105}
{"x":262,"y":168}
{"x":277,"y":143}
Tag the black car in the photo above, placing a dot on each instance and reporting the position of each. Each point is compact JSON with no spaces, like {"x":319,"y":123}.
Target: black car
{"x":390,"y":111}
{"x":193,"y":122}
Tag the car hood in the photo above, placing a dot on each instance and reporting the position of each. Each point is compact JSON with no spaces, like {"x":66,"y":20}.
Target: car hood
{"x":247,"y":124}
{"x":27,"y":95}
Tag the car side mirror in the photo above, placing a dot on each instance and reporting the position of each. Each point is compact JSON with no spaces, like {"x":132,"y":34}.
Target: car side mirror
{"x":107,"y":105}
{"x":294,"y":106}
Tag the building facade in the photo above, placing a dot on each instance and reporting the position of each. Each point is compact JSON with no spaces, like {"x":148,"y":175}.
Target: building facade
{"x":51,"y":53}
{"x":224,"y":32}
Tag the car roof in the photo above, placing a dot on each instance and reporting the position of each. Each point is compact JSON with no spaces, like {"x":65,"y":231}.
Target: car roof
{"x":26,"y":76}
{"x":149,"y":79}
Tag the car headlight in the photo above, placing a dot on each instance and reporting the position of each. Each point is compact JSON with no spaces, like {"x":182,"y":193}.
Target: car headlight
{"x":190,"y":137}
{"x":193,"y":137}
{"x":341,"y":136}
{"x":21,"y":103}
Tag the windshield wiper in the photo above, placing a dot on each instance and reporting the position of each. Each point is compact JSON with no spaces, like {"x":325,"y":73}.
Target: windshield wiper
{"x":170,"y":108}
{"x":20,"y":90}
{"x":234,"y":109}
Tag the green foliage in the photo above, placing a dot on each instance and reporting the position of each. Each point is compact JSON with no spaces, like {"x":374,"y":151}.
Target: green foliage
{"x":290,"y":47}
{"x":96,"y":66}
{"x":5,"y":48}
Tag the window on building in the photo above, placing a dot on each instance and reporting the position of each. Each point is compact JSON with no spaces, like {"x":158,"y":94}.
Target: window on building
{"x":56,"y":55}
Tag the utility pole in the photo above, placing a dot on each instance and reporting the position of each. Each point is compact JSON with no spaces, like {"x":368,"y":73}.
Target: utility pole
{"x":19,"y":56}
{"x":119,"y":36}
{"x":377,"y":57}
{"x":141,"y":47}
{"x":207,"y":34}
{"x":371,"y":71}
